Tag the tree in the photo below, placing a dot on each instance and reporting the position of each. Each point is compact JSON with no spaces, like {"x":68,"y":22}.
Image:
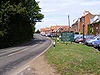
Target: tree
{"x":90,"y":29}
{"x":17,"y":20}
{"x":37,"y":31}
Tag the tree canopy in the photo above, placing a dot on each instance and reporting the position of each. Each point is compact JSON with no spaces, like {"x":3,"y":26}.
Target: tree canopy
{"x":17,"y":20}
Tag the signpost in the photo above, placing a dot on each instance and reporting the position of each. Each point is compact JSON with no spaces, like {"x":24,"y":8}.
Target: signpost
{"x":67,"y":36}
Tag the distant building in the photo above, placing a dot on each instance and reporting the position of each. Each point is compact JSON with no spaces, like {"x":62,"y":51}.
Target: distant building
{"x":45,"y":31}
{"x":54,"y":29}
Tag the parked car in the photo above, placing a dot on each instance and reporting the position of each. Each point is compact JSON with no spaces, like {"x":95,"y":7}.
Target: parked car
{"x":50,"y":35}
{"x":43,"y":34}
{"x":79,"y":40}
{"x":77,"y":36}
{"x":96,"y":43}
{"x":89,"y":42}
{"x":54,"y":35}
{"x":86,"y":37}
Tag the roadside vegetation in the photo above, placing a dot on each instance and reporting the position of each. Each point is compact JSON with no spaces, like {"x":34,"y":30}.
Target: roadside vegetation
{"x":17,"y":21}
{"x":74,"y":59}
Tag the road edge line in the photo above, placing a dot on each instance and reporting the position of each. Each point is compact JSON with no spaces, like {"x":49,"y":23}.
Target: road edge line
{"x":25,"y":66}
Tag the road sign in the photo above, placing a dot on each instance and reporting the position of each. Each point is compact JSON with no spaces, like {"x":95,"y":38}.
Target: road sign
{"x":67,"y":36}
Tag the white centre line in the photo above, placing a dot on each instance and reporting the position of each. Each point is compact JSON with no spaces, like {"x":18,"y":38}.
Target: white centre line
{"x":20,"y":51}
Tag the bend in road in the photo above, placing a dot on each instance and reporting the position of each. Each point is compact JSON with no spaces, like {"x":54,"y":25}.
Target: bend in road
{"x":13,"y":58}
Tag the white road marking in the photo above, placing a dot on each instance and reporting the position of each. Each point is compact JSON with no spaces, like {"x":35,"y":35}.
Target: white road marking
{"x":25,"y":66}
{"x":12,"y":51}
{"x":20,"y":51}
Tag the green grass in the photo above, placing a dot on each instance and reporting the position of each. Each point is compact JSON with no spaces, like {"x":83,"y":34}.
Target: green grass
{"x":74,"y":59}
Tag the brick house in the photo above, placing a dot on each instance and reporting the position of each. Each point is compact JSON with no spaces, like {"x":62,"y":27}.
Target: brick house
{"x":75,"y":26}
{"x":95,"y":25}
{"x":84,"y":20}
{"x":96,"y":28}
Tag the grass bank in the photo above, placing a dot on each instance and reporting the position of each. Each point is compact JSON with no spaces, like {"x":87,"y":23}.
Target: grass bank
{"x":74,"y":59}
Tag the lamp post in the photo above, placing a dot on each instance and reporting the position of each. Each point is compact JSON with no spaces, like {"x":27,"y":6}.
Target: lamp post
{"x":83,"y":19}
{"x":83,"y":33}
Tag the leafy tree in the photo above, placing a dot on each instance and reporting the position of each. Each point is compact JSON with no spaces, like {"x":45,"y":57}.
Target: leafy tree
{"x":90,"y":29}
{"x":17,"y":21}
{"x":37,"y":31}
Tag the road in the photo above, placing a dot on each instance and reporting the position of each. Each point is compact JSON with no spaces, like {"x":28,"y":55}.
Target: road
{"x":13,"y":58}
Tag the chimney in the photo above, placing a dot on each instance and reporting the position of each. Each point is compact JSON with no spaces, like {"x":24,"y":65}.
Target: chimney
{"x":86,"y":12}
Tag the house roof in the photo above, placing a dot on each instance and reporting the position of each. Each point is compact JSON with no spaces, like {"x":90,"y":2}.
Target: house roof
{"x":57,"y":27}
{"x":53,"y":28}
{"x":87,"y":13}
{"x":95,"y":19}
{"x":45,"y":29}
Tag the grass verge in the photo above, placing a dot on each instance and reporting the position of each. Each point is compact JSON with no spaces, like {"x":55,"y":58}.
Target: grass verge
{"x":74,"y":59}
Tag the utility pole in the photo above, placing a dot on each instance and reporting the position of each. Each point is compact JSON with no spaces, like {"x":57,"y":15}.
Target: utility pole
{"x":69,"y":22}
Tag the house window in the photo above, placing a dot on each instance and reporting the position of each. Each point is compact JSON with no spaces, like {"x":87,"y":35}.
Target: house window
{"x":83,"y":19}
{"x":96,"y":27}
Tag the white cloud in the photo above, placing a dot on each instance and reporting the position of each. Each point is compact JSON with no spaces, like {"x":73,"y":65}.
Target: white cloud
{"x":37,"y":0}
{"x":92,"y":3}
{"x":49,"y":10}
{"x":56,"y":11}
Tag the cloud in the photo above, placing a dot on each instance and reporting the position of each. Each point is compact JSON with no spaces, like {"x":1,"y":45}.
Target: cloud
{"x":37,"y":0}
{"x":92,"y":3}
{"x":49,"y":10}
{"x":56,"y":11}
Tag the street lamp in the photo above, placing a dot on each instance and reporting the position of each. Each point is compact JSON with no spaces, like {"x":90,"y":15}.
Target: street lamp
{"x":83,"y":33}
{"x":83,"y":20}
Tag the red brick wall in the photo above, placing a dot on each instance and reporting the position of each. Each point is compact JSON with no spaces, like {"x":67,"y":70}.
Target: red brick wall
{"x":86,"y":21}
{"x":96,"y":28}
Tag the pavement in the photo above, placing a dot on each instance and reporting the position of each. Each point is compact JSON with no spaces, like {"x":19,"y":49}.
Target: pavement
{"x":39,"y":66}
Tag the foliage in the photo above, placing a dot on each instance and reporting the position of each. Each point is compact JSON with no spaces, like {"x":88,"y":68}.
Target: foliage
{"x":74,"y":59}
{"x":90,"y":29}
{"x":17,"y":20}
{"x":81,"y":32}
{"x":37,"y":31}
{"x":2,"y":33}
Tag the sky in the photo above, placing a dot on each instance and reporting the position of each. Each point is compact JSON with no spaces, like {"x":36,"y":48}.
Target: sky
{"x":56,"y":11}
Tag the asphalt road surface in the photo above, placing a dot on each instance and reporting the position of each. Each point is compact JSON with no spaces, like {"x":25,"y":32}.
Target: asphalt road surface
{"x":13,"y":58}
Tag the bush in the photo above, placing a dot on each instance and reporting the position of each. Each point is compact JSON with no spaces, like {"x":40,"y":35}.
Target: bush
{"x":18,"y":19}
